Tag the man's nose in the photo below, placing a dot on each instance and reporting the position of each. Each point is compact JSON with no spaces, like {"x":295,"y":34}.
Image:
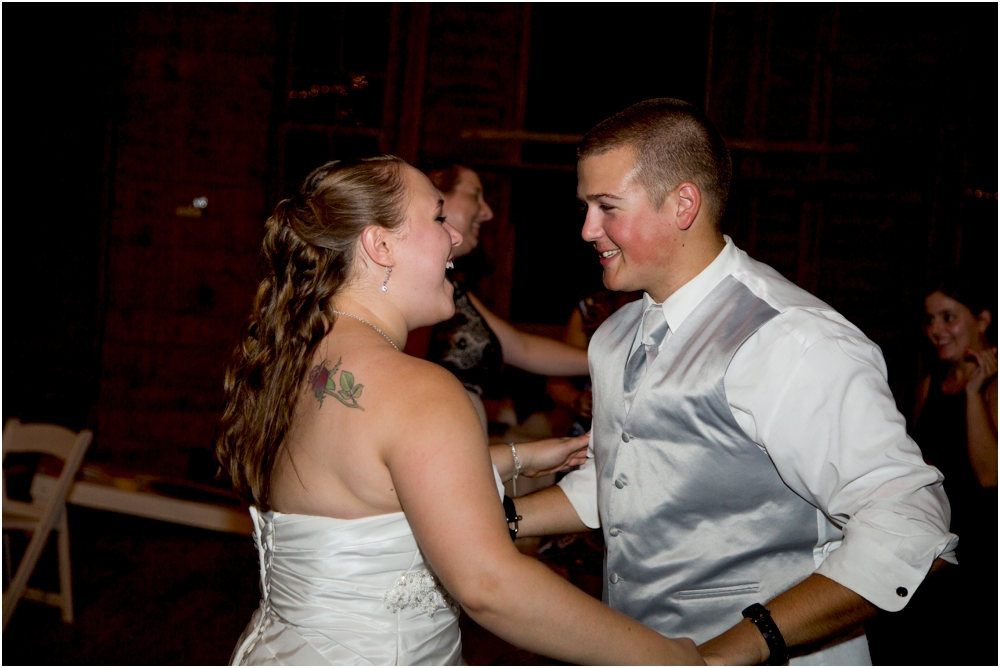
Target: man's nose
{"x":591,"y":230}
{"x":487,"y":212}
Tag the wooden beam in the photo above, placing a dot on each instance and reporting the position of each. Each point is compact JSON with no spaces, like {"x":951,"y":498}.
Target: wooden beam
{"x":744,"y":145}
{"x":492,"y":134}
{"x":768,"y":146}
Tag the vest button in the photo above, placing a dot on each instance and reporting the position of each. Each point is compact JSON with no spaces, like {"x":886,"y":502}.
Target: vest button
{"x":619,"y":484}
{"x":901,"y":591}
{"x":614,"y":578}
{"x":613,"y":531}
{"x":625,"y":436}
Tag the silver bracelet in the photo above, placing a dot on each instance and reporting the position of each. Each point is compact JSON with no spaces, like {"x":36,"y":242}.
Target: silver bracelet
{"x":517,"y":467}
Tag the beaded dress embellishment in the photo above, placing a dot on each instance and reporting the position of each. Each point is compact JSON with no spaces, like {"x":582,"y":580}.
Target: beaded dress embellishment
{"x":418,"y":589}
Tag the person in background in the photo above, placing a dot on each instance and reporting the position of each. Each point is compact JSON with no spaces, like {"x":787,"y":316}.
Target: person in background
{"x":574,"y":394}
{"x":956,"y":428}
{"x":475,"y":343}
{"x":955,"y":425}
{"x":956,"y":413}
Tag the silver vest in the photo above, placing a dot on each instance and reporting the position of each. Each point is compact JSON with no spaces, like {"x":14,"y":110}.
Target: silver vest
{"x":697,"y":522}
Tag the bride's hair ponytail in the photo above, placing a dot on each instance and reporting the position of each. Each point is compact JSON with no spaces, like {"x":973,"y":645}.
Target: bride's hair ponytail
{"x":307,"y":255}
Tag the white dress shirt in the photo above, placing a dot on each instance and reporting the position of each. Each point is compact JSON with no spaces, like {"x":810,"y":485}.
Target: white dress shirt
{"x":809,"y":388}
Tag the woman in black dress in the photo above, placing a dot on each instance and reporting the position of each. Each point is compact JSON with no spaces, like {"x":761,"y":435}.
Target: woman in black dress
{"x":956,"y":429}
{"x":956,"y":425}
{"x":475,"y":343}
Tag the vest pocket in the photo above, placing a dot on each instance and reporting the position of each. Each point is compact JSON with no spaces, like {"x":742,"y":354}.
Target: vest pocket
{"x":718,"y":592}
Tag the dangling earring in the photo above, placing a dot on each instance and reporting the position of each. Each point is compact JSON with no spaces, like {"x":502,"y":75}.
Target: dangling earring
{"x":388,"y":271}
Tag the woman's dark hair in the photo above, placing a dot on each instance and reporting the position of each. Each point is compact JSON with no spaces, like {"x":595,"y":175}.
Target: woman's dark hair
{"x":307,"y":254}
{"x":976,"y":293}
{"x":446,"y":177}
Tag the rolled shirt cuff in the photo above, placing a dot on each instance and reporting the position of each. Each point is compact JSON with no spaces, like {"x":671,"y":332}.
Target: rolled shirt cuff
{"x":580,"y":487}
{"x":865,"y":565}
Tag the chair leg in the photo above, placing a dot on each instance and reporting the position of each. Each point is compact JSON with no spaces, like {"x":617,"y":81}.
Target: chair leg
{"x":65,"y":570}
{"x":20,"y":581}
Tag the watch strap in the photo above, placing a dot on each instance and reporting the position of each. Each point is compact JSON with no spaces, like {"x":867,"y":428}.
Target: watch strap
{"x":761,"y":617}
{"x":512,"y":517}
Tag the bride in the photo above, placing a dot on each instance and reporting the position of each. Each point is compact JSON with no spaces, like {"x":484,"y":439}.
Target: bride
{"x":375,"y":511}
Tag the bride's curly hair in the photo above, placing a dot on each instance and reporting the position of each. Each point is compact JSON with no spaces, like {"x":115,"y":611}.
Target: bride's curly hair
{"x":307,"y":254}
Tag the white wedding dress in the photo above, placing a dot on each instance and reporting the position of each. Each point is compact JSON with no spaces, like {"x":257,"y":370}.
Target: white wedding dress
{"x":347,"y":592}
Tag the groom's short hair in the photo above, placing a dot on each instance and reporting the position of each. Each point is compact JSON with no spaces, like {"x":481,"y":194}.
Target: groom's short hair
{"x":672,"y":142}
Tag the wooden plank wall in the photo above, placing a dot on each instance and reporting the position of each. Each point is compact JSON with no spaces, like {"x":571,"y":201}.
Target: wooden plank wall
{"x":850,"y":131}
{"x":197,"y":96}
{"x":859,"y":141}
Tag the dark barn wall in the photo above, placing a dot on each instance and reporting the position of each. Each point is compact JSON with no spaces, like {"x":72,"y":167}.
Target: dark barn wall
{"x":59,"y":84}
{"x":196,"y":97}
{"x":859,"y":140}
{"x":856,"y":136}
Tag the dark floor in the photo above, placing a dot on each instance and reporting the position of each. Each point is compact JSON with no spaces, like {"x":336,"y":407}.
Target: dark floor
{"x":149,"y":592}
{"x":155,"y":593}
{"x":146,"y":592}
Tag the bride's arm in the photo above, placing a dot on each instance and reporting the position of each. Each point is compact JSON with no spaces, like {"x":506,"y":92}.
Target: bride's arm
{"x":540,"y":458}
{"x":443,"y":479}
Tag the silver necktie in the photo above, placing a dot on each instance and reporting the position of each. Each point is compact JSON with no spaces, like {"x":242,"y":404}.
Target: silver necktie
{"x":654,"y":329}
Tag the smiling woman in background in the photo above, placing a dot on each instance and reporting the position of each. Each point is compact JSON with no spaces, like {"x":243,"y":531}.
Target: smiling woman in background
{"x":475,"y":344}
{"x":956,"y":424}
{"x":956,"y":429}
{"x":957,"y":404}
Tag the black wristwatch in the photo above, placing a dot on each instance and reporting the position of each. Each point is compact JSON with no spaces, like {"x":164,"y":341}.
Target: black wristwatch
{"x":512,"y":516}
{"x":761,"y":617}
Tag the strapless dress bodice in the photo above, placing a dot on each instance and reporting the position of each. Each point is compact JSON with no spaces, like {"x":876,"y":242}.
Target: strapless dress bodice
{"x":346,"y":592}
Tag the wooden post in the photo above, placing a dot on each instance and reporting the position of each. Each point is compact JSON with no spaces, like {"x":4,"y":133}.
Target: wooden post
{"x":503,"y":276}
{"x":390,"y":99}
{"x":411,"y":114}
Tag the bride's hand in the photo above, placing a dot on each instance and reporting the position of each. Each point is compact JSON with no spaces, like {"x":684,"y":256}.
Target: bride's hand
{"x":540,"y":458}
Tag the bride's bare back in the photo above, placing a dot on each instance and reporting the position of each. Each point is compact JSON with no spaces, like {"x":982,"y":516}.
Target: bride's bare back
{"x":360,"y":399}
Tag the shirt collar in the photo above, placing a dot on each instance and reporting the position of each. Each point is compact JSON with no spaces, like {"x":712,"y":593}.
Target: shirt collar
{"x":679,"y":305}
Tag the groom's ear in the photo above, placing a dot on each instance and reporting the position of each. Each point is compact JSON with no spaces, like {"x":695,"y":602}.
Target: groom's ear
{"x":378,"y":244}
{"x":686,"y":204}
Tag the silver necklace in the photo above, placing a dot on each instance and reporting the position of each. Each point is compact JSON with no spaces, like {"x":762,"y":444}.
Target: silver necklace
{"x":360,"y":319}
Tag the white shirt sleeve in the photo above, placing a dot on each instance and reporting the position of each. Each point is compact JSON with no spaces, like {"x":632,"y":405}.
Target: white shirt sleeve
{"x":811,"y":391}
{"x":580,"y":487}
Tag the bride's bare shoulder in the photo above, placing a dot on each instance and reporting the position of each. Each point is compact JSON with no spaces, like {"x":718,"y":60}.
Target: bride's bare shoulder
{"x":415,"y":393}
{"x":419,"y":378}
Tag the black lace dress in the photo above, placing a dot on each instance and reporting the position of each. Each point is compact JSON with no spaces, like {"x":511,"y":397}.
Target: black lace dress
{"x":466,"y":346}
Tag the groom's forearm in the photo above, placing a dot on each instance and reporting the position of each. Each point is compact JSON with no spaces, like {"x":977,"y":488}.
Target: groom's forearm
{"x":547,"y":512}
{"x":812,"y":611}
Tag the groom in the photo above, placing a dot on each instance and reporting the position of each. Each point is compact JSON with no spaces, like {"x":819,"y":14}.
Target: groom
{"x":752,"y":476}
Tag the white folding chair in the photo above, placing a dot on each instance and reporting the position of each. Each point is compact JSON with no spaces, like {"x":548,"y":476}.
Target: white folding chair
{"x":46,"y":512}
